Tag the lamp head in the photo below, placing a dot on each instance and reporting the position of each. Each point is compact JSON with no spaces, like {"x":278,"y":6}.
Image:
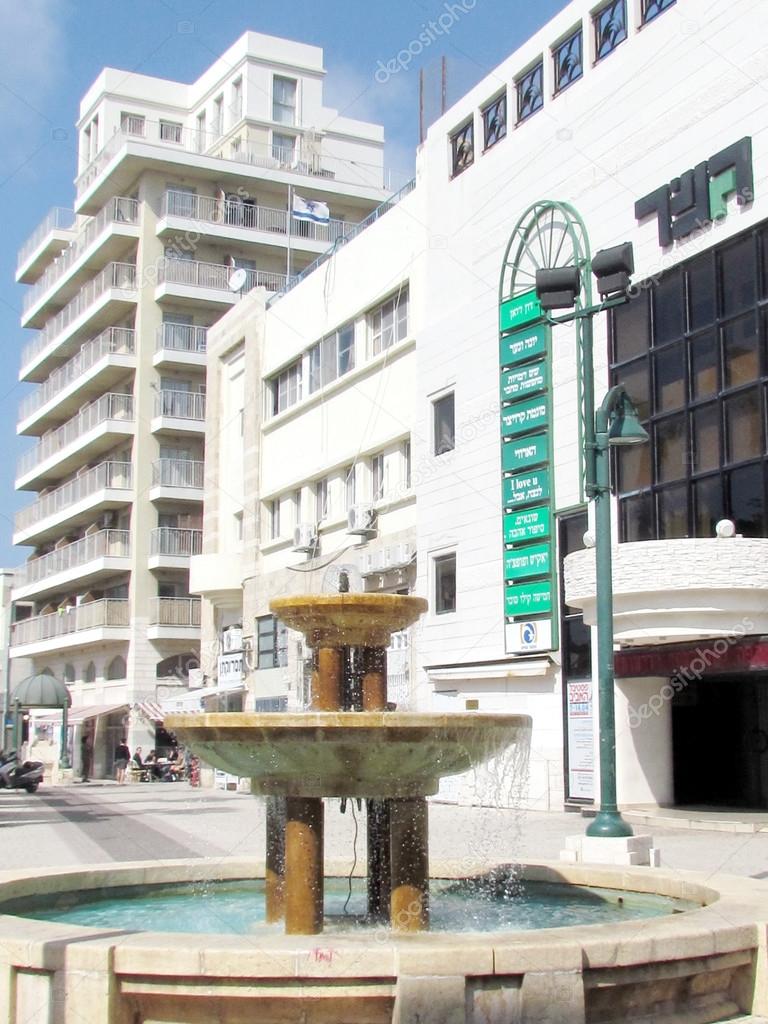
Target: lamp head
{"x":612,"y":269}
{"x":624,"y":427}
{"x":557,"y":288}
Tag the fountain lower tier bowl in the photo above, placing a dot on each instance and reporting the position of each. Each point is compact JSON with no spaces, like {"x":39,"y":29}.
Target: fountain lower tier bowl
{"x":347,"y":753}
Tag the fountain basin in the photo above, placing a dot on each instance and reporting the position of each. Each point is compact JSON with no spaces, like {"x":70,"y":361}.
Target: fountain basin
{"x":351,"y":620}
{"x":348,"y":754}
{"x":705,"y":964}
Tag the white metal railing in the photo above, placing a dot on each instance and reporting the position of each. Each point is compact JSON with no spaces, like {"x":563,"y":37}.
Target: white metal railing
{"x":309,"y":157}
{"x":114,"y":275}
{"x":113,"y":475}
{"x":107,"y":612}
{"x":108,"y":407}
{"x":167,"y":540}
{"x":184,"y":405}
{"x":178,"y":473}
{"x":175,"y":611}
{"x":119,"y":210}
{"x":181,"y":337}
{"x":241,"y":214}
{"x":112,"y":341}
{"x":104,"y":544}
{"x":214,"y":275}
{"x":57,"y":218}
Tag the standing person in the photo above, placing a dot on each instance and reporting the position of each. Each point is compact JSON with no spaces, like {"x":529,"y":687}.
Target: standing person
{"x":122,"y":757}
{"x":86,"y":748}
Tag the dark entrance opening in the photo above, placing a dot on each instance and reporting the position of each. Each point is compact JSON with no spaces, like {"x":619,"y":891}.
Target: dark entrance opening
{"x":720,"y":742}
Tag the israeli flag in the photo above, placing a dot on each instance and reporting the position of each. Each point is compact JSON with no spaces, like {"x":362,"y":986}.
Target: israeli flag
{"x":310,"y":209}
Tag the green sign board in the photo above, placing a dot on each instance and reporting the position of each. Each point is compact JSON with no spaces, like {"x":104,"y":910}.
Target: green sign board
{"x":524,"y":451}
{"x":522,"y":600}
{"x":526,"y":488}
{"x":532,"y":524}
{"x":523,"y":417}
{"x":526,"y":344}
{"x":520,"y":383}
{"x":524,"y":562}
{"x":518,"y":311}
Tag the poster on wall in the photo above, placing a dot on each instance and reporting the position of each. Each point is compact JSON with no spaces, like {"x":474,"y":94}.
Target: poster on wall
{"x":581,"y":741}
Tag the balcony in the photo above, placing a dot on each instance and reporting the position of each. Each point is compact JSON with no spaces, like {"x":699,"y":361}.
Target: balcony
{"x":228,"y":219}
{"x":177,"y":480}
{"x":179,"y":412}
{"x":219,"y":578}
{"x":48,"y":238}
{"x":208,"y":283}
{"x":106,"y":486}
{"x":117,"y":220}
{"x":172,"y":548}
{"x":106,"y":297}
{"x":86,"y":560}
{"x":96,"y":428}
{"x":95,"y":622}
{"x":180,"y":344}
{"x":98,"y":363}
{"x":174,"y":618}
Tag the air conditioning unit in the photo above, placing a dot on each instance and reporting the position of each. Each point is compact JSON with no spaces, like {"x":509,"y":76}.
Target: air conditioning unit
{"x":372,"y":562}
{"x":305,"y":537}
{"x":361,"y":520}
{"x":232,"y":639}
{"x":398,"y":556}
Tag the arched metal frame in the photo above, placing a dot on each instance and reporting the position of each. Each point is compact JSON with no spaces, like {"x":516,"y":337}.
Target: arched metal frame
{"x":551,"y":234}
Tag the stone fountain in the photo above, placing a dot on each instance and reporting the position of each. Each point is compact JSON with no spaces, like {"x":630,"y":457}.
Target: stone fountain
{"x":349,"y":745}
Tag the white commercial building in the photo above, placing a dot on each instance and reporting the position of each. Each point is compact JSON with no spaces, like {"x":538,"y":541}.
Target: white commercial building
{"x":416,"y":418}
{"x":184,"y":198}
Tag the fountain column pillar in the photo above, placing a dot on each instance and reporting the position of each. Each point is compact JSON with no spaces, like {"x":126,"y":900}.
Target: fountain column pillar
{"x":328,"y":679}
{"x":303,"y":865}
{"x":374,"y":678}
{"x":409,"y":852}
{"x":274,"y":880}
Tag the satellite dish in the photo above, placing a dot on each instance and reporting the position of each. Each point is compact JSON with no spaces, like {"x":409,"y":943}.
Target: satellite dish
{"x":236,"y":283}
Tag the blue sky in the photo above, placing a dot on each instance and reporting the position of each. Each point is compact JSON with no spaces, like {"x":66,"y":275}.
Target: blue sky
{"x":52,"y":50}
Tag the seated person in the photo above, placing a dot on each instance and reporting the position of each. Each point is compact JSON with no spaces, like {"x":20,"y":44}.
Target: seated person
{"x":150,"y":763}
{"x":137,"y":758}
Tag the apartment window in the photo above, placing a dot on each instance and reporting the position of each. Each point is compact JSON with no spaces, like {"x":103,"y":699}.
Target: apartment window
{"x":445,"y":584}
{"x":321,"y":499}
{"x":530,"y":92}
{"x":286,"y":388}
{"x":610,"y":28}
{"x":132,"y":124}
{"x":568,"y":58}
{"x":218,"y":116}
{"x":69,"y":673}
{"x":388,"y":323}
{"x":443,"y":424}
{"x":170,"y":131}
{"x":271,"y":642}
{"x":284,"y":148}
{"x":377,"y":477}
{"x":237,"y":100}
{"x":200,"y":135}
{"x":652,"y":8}
{"x":495,"y":121}
{"x":274,"y":518}
{"x":332,"y":357}
{"x":462,"y":148}
{"x":350,"y":482}
{"x":89,"y":673}
{"x":284,"y":100}
{"x":405,"y":453}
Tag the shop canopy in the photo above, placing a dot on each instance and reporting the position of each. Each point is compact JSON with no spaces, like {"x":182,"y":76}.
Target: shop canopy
{"x":41,"y":691}
{"x":79,"y":715}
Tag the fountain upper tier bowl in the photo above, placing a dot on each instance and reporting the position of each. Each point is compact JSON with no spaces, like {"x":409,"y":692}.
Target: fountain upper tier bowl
{"x":352,"y":620}
{"x":341,"y":753}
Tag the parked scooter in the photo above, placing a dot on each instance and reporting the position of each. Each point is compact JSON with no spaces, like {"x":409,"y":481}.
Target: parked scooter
{"x":13,"y":775}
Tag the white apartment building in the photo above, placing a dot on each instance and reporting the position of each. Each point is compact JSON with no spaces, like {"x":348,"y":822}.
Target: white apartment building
{"x":183,"y":203}
{"x":627,"y":121}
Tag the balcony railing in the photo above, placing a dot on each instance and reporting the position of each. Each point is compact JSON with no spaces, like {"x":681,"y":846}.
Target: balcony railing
{"x":57,"y":219}
{"x":239,"y":214}
{"x":105,"y":544}
{"x":166,"y":540}
{"x":178,"y":473}
{"x":119,"y":210}
{"x":108,"y":407}
{"x":175,"y":611}
{"x":306,"y":158}
{"x":112,"y":341}
{"x":75,"y":619}
{"x":183,"y":405}
{"x":107,"y":475}
{"x":215,"y":275}
{"x":114,"y":275}
{"x":181,"y":337}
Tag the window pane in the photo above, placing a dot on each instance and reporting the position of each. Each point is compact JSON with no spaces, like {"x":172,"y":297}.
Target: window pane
{"x":707,"y":505}
{"x":346,"y":346}
{"x":670,"y":378}
{"x":741,"y":357}
{"x":445,"y":584}
{"x":463,"y":148}
{"x":637,"y":518}
{"x":578,"y":649}
{"x":634,"y":466}
{"x":631,"y":326}
{"x":635,"y":379}
{"x":744,"y":432}
{"x":706,"y":438}
{"x":738,"y":276}
{"x":530,"y":92}
{"x":701,"y":292}
{"x":651,"y":8}
{"x":704,"y":365}
{"x":668,"y":309}
{"x":568,"y":63}
{"x":746,"y":501}
{"x":444,"y":425}
{"x":671,"y":449}
{"x":495,"y":121}
{"x":610,"y":28}
{"x":673,"y":513}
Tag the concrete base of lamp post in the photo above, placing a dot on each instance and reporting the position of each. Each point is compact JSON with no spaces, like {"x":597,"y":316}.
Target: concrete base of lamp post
{"x":621,"y":850}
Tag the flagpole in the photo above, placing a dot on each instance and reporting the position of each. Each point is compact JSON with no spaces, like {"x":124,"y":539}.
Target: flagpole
{"x":290,"y":223}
